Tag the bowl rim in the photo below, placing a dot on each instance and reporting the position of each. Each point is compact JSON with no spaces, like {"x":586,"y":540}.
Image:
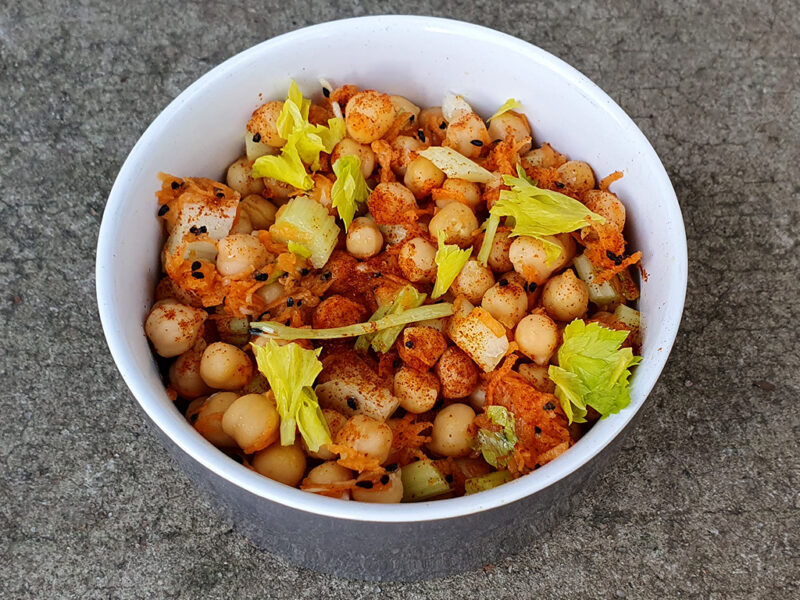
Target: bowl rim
{"x":164,"y":417}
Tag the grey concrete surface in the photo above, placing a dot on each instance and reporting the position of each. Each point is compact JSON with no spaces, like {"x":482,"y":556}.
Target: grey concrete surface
{"x":703,"y":500}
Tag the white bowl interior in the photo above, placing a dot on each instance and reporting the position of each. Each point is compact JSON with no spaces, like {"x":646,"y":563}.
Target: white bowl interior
{"x":201,"y":132}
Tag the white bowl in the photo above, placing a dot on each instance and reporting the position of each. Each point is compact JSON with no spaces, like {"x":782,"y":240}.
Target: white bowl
{"x":200,"y":133}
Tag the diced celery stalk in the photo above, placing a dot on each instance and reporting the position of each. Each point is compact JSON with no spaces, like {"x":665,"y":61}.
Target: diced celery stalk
{"x":422,"y":481}
{"x":406,"y":298}
{"x":254,"y":150}
{"x":363,"y":341}
{"x":473,"y":485}
{"x":602,"y":294}
{"x":488,"y":239}
{"x":306,"y":222}
{"x":627,"y":315}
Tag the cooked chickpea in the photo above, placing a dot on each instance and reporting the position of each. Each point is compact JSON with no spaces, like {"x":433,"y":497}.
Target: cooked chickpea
{"x":463,"y":189}
{"x":464,"y":132}
{"x":242,"y":224}
{"x":568,"y":248}
{"x":513,"y":124}
{"x":417,"y":260}
{"x":421,"y":346}
{"x":368,"y":116}
{"x":286,"y":464}
{"x":336,"y":421}
{"x":450,"y":435}
{"x":507,"y":302}
{"x":239,"y":179}
{"x":565,"y":297}
{"x":350,"y":147}
{"x":416,"y":390}
{"x":364,"y":239}
{"x":208,"y":419}
{"x":544,"y":157}
{"x":529,"y":257}
{"x":270,"y":292}
{"x":391,"y":493}
{"x":239,"y":252}
{"x":259,"y":210}
{"x":367,"y":436}
{"x":184,"y":375}
{"x":330,"y":473}
{"x":403,"y":146}
{"x":432,"y":122}
{"x":252,"y":420}
{"x":606,"y":205}
{"x":537,"y":337}
{"x":457,"y":373}
{"x":422,"y":177}
{"x":173,"y":328}
{"x":390,"y":200}
{"x":225,"y":367}
{"x":457,"y":221}
{"x":473,"y":281}
{"x":538,"y":377}
{"x":264,"y":122}
{"x":577,"y":175}
{"x":499,"y":260}
{"x":477,"y":399}
{"x":278,"y":191}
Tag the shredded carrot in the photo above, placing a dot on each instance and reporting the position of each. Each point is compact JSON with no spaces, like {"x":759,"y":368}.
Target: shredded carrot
{"x":353,"y":459}
{"x":606,"y":181}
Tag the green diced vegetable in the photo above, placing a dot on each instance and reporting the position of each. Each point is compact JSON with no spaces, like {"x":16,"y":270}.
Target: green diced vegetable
{"x":488,"y":239}
{"x":350,"y":188}
{"x":407,"y":298}
{"x":456,"y":165}
{"x":307,"y":223}
{"x":602,"y":294}
{"x":627,"y":315}
{"x":450,"y":259}
{"x":497,"y":445}
{"x":422,"y":481}
{"x":473,"y":485}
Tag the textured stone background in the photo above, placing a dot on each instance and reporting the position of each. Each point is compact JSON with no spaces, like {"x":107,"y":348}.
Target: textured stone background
{"x":703,"y":500}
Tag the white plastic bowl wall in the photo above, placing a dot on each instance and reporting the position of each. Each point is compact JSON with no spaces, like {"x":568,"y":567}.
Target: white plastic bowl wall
{"x":201,"y":132}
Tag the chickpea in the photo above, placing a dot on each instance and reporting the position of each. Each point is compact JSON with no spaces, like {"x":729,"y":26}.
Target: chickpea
{"x":336,"y":421}
{"x":417,"y":260}
{"x":529,"y":257}
{"x":238,"y":178}
{"x":367,"y":436}
{"x":337,"y":311}
{"x":432,"y":122}
{"x":477,"y":399}
{"x":278,"y":191}
{"x":537,"y":376}
{"x":286,"y":464}
{"x":421,"y":346}
{"x":568,"y":247}
{"x":242,"y":223}
{"x":457,"y":373}
{"x":208,"y":419}
{"x":450,"y":435}
{"x":422,"y":177}
{"x":507,"y":302}
{"x":467,"y":190}
{"x":173,"y":328}
{"x":577,"y":175}
{"x":330,"y":473}
{"x":252,"y":420}
{"x":499,"y":260}
{"x":388,"y":202}
{"x":264,"y":122}
{"x":473,"y":281}
{"x":606,"y":205}
{"x":225,"y":367}
{"x":391,"y":493}
{"x":364,"y":239}
{"x":259,"y":210}
{"x":537,"y":337}
{"x":465,"y":130}
{"x":565,"y":297}
{"x":270,"y":292}
{"x":513,"y":124}
{"x":368,"y":116}
{"x":184,"y":375}
{"x":238,"y":252}
{"x":350,"y":147}
{"x":544,"y":157}
{"x":403,"y":146}
{"x":416,"y":390}
{"x":533,"y":291}
{"x":457,"y":222}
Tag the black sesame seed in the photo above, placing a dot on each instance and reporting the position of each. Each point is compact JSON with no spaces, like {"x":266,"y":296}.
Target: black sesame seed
{"x":614,"y":257}
{"x":193,"y":229}
{"x":220,"y":194}
{"x":326,"y":92}
{"x":530,"y":286}
{"x":327,"y":275}
{"x":351,"y":402}
{"x":377,"y":275}
{"x":287,"y":322}
{"x":503,"y":282}
{"x":477,"y":143}
{"x":261,"y":276}
{"x":537,"y":429}
{"x":299,"y":303}
{"x":549,"y":406}
{"x":175,"y":185}
{"x":290,"y":301}
{"x":411,"y":119}
{"x":536,"y":466}
{"x":497,"y":141}
{"x":442,"y":125}
{"x":367,"y":485}
{"x":202,"y":229}
{"x":196,"y":265}
{"x":163,"y":210}
{"x":421,"y":135}
{"x":560,"y":185}
{"x":448,"y":478}
{"x":198,"y":274}
{"x":384,"y":479}
{"x":304,"y":271}
{"x":392,"y":467}
{"x":410,"y":344}
{"x":257,"y":138}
